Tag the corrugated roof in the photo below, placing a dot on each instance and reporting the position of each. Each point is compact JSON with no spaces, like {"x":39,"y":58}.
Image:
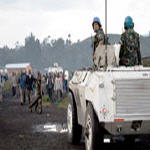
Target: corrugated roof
{"x":17,"y":66}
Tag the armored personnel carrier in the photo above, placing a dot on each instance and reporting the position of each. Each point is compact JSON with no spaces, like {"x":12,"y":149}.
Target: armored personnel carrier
{"x":112,"y":100}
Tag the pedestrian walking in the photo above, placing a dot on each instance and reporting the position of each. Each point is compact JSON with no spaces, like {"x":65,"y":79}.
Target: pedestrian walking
{"x":22,"y":85}
{"x":50,"y":86}
{"x":38,"y":101}
{"x":29,"y":82}
{"x":14,"y":84}
{"x":58,"y":87}
{"x":66,"y":78}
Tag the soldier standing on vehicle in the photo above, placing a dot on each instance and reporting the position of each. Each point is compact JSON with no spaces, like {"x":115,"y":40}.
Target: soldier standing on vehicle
{"x":130,"y":54}
{"x":99,"y":37}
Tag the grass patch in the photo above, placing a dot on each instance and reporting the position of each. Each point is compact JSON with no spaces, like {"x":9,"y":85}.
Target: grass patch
{"x":63,"y":103}
{"x":7,"y":85}
{"x":45,"y":100}
{"x":1,"y":98}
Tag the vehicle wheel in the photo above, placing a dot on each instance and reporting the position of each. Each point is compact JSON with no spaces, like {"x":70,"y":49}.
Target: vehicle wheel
{"x":94,"y":134}
{"x":74,"y":129}
{"x":129,"y":139}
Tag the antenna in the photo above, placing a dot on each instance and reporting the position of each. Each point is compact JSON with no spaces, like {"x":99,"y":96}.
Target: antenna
{"x":106,"y":34}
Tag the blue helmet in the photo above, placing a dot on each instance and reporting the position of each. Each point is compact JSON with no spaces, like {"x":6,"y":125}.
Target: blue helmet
{"x":96,"y":20}
{"x":129,"y":24}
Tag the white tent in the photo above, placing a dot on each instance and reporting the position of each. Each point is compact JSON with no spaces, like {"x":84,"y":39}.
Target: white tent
{"x":55,"y":69}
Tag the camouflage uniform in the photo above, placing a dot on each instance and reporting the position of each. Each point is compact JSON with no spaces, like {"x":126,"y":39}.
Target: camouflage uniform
{"x":130,"y":49}
{"x":97,"y":38}
{"x":38,"y":100}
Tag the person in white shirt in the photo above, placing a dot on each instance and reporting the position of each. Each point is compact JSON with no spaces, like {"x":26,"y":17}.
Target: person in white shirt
{"x":66,"y":78}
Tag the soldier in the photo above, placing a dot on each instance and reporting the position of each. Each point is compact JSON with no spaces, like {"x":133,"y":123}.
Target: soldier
{"x":130,"y":46}
{"x":38,"y":100}
{"x":99,"y":38}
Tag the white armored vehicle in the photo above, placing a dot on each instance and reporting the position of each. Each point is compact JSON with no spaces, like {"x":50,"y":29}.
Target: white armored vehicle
{"x":113,"y":101}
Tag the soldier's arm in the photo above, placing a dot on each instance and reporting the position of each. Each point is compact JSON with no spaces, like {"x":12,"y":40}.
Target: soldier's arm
{"x":121,"y":48}
{"x":139,"y":53}
{"x":121,"y":51}
{"x":101,"y":37}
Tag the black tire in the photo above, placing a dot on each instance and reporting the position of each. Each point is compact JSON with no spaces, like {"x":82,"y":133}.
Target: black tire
{"x":94,"y":134}
{"x":74,"y":129}
{"x":129,"y":140}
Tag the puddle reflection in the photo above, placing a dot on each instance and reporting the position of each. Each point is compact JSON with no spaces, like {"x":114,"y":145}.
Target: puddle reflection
{"x":51,"y":127}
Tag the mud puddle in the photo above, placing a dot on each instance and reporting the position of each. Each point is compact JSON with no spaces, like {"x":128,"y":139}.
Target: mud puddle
{"x":51,"y":127}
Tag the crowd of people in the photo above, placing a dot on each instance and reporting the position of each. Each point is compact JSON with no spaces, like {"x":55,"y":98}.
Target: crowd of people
{"x":32,"y":87}
{"x":56,"y":85}
{"x":29,"y":87}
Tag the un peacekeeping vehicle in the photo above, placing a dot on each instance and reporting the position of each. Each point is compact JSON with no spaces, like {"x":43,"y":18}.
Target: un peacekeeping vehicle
{"x":111,"y":100}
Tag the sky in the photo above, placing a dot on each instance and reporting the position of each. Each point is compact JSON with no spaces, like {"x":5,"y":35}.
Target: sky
{"x":18,"y":18}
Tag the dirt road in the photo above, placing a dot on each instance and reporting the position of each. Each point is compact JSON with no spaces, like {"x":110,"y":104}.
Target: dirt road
{"x":23,"y":130}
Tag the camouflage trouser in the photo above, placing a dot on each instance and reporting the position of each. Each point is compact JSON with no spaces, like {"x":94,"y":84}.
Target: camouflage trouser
{"x":128,"y":62}
{"x":38,"y":104}
{"x":94,"y":68}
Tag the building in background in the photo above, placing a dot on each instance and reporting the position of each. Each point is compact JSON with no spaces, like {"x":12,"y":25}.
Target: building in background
{"x":17,"y":68}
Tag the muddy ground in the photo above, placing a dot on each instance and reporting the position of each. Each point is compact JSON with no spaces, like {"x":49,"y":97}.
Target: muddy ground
{"x":22,"y":130}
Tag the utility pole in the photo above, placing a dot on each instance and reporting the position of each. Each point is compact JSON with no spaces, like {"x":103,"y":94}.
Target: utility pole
{"x":106,"y":20}
{"x":106,"y":35}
